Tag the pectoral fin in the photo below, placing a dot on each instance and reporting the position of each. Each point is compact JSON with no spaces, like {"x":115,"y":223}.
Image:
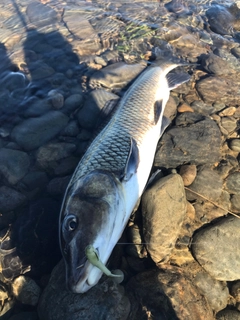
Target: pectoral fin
{"x":157,"y":111}
{"x":165,"y":123}
{"x":132,"y":161}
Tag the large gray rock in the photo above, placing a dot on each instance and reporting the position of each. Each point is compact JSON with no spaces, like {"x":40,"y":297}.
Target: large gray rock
{"x":166,"y":294}
{"x":34,"y":132}
{"x":216,"y":248}
{"x":163,"y":210}
{"x":216,"y":292}
{"x":14,"y":165}
{"x":105,"y":301}
{"x":196,"y":139}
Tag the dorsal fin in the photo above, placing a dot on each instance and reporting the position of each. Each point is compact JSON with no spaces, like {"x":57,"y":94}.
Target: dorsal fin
{"x":176,"y":79}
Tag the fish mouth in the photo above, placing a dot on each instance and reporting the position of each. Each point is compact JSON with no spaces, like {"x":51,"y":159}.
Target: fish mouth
{"x":83,"y":277}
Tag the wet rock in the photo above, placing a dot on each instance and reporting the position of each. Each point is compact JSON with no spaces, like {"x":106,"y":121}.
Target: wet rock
{"x":163,"y":210}
{"x":25,"y":316}
{"x":117,"y":75}
{"x":232,"y":184}
{"x":72,"y":129}
{"x":228,"y":315}
{"x":91,"y":113}
{"x":203,"y":108}
{"x":194,"y":136}
{"x":26,"y":290}
{"x":217,"y":89}
{"x":58,"y":186}
{"x":215,"y":292}
{"x":216,"y":65}
{"x":10,"y":199}
{"x":211,"y":247}
{"x":53,"y":152}
{"x":34,"y":180}
{"x":226,"y":55}
{"x":40,"y":70}
{"x":34,"y":132}
{"x":106,"y":299}
{"x":66,"y":166}
{"x":14,"y":164}
{"x":207,"y":183}
{"x":13,"y":80}
{"x":220,"y":19}
{"x":36,"y":107}
{"x":41,"y":15}
{"x":56,"y":98}
{"x":166,"y":294}
{"x":72,"y":103}
{"x":188,"y":173}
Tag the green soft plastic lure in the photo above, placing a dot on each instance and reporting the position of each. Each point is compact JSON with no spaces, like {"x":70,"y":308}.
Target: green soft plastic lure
{"x":93,"y":258}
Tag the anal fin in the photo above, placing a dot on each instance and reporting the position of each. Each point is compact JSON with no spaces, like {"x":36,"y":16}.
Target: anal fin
{"x":165,"y":123}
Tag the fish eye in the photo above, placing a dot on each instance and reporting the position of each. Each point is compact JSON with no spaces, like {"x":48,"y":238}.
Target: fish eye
{"x":70,"y":222}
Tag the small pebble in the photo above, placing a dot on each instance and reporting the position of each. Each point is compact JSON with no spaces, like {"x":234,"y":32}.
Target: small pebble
{"x":56,"y":98}
{"x":228,"y":112}
{"x":234,"y":145}
{"x":184,"y":107}
{"x":229,"y":123}
{"x":188,"y":174}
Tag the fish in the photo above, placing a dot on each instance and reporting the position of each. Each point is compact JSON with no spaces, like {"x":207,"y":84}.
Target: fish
{"x":112,"y":175}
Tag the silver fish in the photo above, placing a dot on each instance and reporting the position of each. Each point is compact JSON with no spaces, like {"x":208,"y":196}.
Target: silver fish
{"x":112,"y":175}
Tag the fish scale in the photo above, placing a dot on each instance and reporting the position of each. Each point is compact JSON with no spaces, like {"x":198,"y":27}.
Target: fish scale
{"x":135,"y":114}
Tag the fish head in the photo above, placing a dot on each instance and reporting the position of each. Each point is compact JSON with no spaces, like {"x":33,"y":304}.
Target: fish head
{"x":92,"y":214}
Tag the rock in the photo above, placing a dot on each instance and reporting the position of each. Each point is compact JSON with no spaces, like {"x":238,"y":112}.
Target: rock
{"x":40,"y":70}
{"x":220,"y":19}
{"x":207,"y":183}
{"x":188,"y":174}
{"x":34,"y":180}
{"x":106,"y":300}
{"x":26,"y":290}
{"x":216,"y":65}
{"x":228,"y":112}
{"x":66,"y":166}
{"x":218,"y":89}
{"x":232,"y":183}
{"x":41,"y":15}
{"x":34,"y":132}
{"x":14,"y":164}
{"x":72,"y":129}
{"x":184,"y":107}
{"x":13,"y":80}
{"x":201,"y":107}
{"x":229,"y":124}
{"x":215,"y":292}
{"x":91,"y":113}
{"x":117,"y":75}
{"x":166,"y":294}
{"x":72,"y":103}
{"x":234,"y":145}
{"x":58,"y":186}
{"x":196,"y":139}
{"x":235,"y":203}
{"x":170,"y":110}
{"x":235,"y":291}
{"x":25,"y":316}
{"x":228,"y":315}
{"x":36,"y":107}
{"x":216,"y":248}
{"x":53,"y":152}
{"x":10,"y":199}
{"x":163,"y":210}
{"x":57,"y":99}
